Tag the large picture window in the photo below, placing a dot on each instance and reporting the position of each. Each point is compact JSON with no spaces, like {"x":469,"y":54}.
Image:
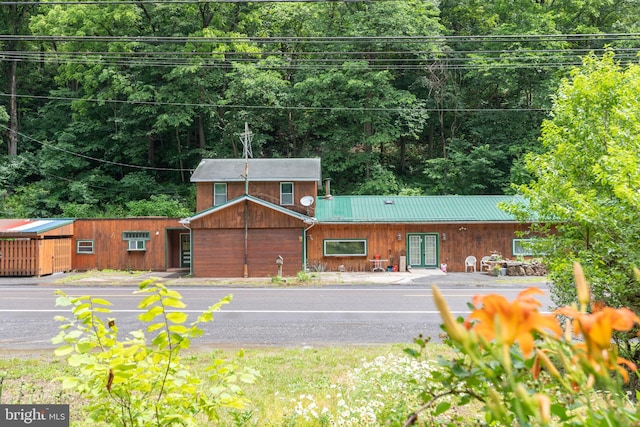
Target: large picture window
{"x":136,"y":240}
{"x":349,"y":247}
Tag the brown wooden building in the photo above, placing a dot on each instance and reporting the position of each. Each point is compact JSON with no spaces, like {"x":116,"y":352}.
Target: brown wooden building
{"x":246,"y":237}
{"x":140,"y":243}
{"x":42,"y":247}
{"x":264,"y":217}
{"x":354,"y":233}
{"x":35,"y":247}
{"x":251,"y":214}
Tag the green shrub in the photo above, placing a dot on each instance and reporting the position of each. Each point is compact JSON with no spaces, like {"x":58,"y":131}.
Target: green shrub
{"x":132,"y":382}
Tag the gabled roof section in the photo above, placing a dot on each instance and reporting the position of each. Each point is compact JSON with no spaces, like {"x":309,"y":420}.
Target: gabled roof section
{"x":304,"y":218}
{"x":230,"y":170}
{"x":15,"y":227}
{"x":412,"y":209}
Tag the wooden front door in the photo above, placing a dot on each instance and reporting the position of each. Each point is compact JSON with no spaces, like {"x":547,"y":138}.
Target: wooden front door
{"x":422,"y":250}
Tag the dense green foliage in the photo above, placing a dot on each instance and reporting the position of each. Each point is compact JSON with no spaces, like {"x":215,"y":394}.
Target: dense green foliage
{"x":586,"y":185}
{"x":133,"y":382}
{"x":113,"y":103}
{"x":586,"y":182}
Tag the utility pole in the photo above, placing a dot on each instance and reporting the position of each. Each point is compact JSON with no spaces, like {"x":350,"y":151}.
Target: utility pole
{"x":246,"y":139}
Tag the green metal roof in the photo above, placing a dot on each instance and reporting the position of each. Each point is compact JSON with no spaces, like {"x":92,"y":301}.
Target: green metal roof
{"x":411,"y":209}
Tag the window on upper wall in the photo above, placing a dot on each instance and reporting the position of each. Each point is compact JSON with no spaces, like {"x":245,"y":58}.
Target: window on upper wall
{"x":286,"y":193}
{"x":84,"y":246}
{"x":136,"y":240}
{"x":219,"y":193}
{"x":345,"y":247}
{"x":522,"y":247}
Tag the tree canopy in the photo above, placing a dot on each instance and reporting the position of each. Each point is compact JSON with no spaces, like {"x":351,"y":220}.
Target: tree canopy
{"x":586,"y":184}
{"x":111,"y":103}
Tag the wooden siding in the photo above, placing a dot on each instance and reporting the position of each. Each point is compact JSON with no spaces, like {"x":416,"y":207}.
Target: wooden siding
{"x":220,"y":253}
{"x":65,"y":230}
{"x":18,"y":258}
{"x":455,"y":242}
{"x":34,"y":257}
{"x":268,"y":191}
{"x":258,"y":217}
{"x":111,"y":251}
{"x":54,"y":256}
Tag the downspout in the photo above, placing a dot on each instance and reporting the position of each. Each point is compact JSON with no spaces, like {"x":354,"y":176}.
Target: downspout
{"x":304,"y":244}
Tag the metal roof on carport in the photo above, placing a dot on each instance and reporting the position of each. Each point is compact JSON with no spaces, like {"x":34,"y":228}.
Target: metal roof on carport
{"x":27,"y":227}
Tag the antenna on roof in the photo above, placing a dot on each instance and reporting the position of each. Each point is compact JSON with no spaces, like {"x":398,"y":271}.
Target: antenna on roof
{"x":246,"y":139}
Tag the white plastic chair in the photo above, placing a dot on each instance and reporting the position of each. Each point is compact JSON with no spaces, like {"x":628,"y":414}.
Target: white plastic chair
{"x":470,"y":262}
{"x":484,"y":263}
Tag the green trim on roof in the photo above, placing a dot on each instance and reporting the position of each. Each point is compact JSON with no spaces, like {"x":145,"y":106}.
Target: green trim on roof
{"x":413,"y":209}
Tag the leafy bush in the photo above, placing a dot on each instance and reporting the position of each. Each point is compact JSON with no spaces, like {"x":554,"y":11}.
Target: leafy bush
{"x":526,"y":370}
{"x":158,"y":205}
{"x":132,"y":382}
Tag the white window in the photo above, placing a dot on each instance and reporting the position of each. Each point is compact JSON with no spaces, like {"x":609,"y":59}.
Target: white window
{"x":84,"y":246}
{"x":522,"y":247}
{"x":348,"y":247}
{"x":219,"y":193}
{"x":286,"y":193}
{"x":136,"y":240}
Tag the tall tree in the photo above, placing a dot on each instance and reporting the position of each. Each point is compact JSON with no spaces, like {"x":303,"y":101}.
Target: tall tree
{"x":14,"y":19}
{"x":587,"y":182}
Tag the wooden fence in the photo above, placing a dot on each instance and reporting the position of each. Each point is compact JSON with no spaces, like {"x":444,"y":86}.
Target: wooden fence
{"x":34,"y":257}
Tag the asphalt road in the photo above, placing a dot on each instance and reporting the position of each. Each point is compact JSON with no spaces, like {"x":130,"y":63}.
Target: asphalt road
{"x":315,"y":316}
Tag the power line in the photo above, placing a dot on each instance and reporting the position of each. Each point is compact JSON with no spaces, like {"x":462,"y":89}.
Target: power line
{"x":278,"y":107}
{"x":369,"y":55}
{"x":323,"y":59}
{"x":143,"y":2}
{"x":95,"y":159}
{"x":331,"y":39}
{"x":409,"y":56}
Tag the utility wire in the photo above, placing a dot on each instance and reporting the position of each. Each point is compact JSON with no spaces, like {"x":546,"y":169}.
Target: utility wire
{"x":391,"y":60}
{"x":567,"y":37}
{"x":274,"y":107}
{"x":143,"y":2}
{"x":95,"y":159}
{"x":448,"y":58}
{"x":432,"y":53}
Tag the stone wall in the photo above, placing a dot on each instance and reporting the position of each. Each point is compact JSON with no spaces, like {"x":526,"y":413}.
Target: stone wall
{"x":525,"y":269}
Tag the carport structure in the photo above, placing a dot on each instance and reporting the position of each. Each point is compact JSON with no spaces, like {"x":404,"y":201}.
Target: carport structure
{"x":35,"y":247}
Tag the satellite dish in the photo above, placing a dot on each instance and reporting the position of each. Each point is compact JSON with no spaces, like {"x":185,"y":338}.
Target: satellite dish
{"x":306,"y":201}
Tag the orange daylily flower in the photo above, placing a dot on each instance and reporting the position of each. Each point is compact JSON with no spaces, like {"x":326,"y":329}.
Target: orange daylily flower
{"x":544,"y":406}
{"x":597,"y":327}
{"x":597,"y":330}
{"x":511,"y":322}
{"x":543,"y":361}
